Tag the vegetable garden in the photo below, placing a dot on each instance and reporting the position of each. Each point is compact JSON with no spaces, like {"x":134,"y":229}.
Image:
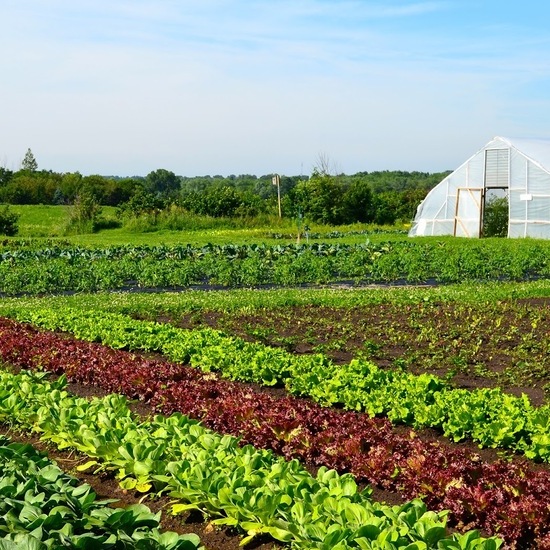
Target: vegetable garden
{"x":391,"y":417}
{"x":32,"y":270}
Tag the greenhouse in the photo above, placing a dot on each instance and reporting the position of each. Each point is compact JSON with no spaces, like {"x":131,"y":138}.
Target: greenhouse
{"x":515,"y":169}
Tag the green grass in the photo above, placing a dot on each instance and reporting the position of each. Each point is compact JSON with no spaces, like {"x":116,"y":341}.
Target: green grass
{"x":40,"y":220}
{"x":45,"y":221}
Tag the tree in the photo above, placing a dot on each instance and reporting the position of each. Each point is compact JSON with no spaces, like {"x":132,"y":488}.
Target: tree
{"x":358,"y":203}
{"x":320,"y":199}
{"x":29,"y":162}
{"x":324,"y":166}
{"x":27,"y":187}
{"x":386,"y":207}
{"x":5,"y":176}
{"x":143,"y":202}
{"x":162,"y":182}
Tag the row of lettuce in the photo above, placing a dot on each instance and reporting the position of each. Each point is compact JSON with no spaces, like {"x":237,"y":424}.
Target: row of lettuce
{"x":238,"y":485}
{"x":511,"y":500}
{"x":56,"y":269}
{"x":43,"y":507}
{"x":488,"y":416}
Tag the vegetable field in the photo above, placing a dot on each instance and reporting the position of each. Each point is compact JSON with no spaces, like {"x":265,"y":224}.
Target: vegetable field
{"x":406,"y":417}
{"x":33,"y":269}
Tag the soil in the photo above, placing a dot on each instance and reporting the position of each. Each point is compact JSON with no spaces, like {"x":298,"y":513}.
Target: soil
{"x":212,"y":537}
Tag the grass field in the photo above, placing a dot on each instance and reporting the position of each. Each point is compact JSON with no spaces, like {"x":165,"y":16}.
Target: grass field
{"x":45,"y":221}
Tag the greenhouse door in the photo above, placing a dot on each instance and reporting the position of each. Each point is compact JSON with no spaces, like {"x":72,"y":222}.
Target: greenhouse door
{"x":469,"y":201}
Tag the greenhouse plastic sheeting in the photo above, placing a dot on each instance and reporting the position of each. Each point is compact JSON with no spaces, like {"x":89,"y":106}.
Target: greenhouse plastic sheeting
{"x":518,"y":167}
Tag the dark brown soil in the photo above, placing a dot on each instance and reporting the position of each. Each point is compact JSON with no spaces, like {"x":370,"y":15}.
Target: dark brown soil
{"x":213,"y":537}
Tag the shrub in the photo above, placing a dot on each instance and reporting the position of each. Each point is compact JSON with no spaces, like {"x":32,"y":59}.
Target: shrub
{"x":8,"y":221}
{"x":83,"y":215}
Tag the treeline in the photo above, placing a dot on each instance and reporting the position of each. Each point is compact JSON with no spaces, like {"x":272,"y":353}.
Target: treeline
{"x":376,"y":197}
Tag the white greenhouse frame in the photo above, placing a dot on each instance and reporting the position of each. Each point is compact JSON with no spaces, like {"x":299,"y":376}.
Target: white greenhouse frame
{"x":519,"y":167}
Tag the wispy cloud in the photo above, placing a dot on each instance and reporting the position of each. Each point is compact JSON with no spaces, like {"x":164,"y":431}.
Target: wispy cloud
{"x":210,"y":85}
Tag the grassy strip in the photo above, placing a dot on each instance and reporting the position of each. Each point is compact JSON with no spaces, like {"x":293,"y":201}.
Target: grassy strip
{"x":249,"y":488}
{"x":488,"y":416}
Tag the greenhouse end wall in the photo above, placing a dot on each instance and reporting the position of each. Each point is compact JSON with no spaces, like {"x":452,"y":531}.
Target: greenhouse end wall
{"x":455,"y":205}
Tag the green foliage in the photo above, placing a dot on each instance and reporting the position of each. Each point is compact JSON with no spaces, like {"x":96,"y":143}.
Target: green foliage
{"x":8,"y":221}
{"x":29,"y":162}
{"x":42,"y":507}
{"x":495,"y":217}
{"x":31,"y":187}
{"x":224,"y":201}
{"x":358,"y":202}
{"x":441,"y":260}
{"x":239,"y":485}
{"x":143,"y":202}
{"x":383,"y":197}
{"x":488,"y":416}
{"x":83,"y":215}
{"x":321,"y":199}
{"x":47,"y":187}
{"x":341,"y":199}
{"x":162,"y":182}
{"x":5,"y":176}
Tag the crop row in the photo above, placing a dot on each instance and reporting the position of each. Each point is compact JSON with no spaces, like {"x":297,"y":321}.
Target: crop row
{"x":243,"y":486}
{"x":506,"y":499}
{"x":182,"y":252}
{"x":43,"y":507}
{"x":60,"y":269}
{"x":488,"y":416}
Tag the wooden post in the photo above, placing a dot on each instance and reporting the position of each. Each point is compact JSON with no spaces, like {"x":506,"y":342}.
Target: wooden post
{"x":276,"y":180}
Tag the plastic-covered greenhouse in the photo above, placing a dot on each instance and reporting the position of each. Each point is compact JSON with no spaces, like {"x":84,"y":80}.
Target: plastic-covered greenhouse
{"x":518,"y":169}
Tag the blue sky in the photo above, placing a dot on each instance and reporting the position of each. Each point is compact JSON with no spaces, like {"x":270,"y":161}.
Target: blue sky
{"x":200,"y":87}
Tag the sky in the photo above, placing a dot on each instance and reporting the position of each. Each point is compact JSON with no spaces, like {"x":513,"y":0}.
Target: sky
{"x":215,"y":87}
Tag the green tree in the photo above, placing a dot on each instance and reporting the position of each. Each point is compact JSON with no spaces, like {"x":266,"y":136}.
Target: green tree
{"x":5,"y":176}
{"x":143,"y":202}
{"x":27,"y":187}
{"x":29,"y":162}
{"x":120,"y":190}
{"x":358,"y":203}
{"x":162,"y":182}
{"x":386,"y":207}
{"x":215,"y":201}
{"x":320,"y":198}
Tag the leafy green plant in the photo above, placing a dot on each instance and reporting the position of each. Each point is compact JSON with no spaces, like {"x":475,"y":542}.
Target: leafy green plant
{"x":489,"y":416}
{"x":240,"y":485}
{"x":42,"y":507}
{"x":84,"y":214}
{"x":297,"y":428}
